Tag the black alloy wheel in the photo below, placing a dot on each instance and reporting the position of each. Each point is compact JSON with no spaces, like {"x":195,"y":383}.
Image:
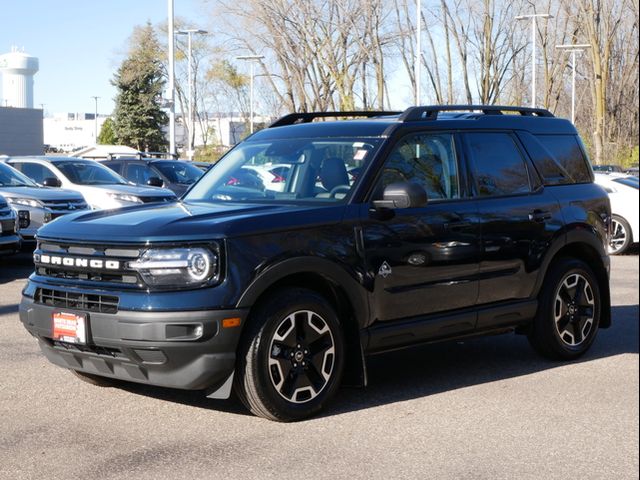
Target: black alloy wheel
{"x":291,"y":356}
{"x":569,"y":311}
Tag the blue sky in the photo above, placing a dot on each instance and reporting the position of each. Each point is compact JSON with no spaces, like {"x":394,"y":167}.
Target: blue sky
{"x":79,"y":44}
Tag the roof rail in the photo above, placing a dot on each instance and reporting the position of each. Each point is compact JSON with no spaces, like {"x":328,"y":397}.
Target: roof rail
{"x":430,"y":112}
{"x":306,"y":117}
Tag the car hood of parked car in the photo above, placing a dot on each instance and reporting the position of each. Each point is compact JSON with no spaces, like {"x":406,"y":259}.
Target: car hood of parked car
{"x":133,"y":190}
{"x":39,"y":193}
{"x":178,"y":221}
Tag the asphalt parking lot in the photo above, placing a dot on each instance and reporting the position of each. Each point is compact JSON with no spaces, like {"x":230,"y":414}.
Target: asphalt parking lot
{"x":482,"y":409}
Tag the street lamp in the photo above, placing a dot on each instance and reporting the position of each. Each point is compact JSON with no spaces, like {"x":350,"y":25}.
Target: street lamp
{"x":251,"y":59}
{"x":534,"y":30}
{"x":191,"y":124}
{"x":95,"y":119}
{"x":573,"y":49}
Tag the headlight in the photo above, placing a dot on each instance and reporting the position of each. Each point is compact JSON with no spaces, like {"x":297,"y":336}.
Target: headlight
{"x":125,"y":197}
{"x":24,"y":202}
{"x":177,"y":267}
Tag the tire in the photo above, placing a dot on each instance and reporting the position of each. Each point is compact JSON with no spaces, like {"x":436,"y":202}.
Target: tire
{"x":291,"y":356}
{"x":95,"y":380}
{"x":568,"y":311}
{"x":620,"y":235}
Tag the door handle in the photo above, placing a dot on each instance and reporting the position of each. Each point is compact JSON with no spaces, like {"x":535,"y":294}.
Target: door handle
{"x":540,"y":216}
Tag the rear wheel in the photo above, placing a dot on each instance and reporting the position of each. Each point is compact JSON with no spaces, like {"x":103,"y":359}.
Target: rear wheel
{"x":569,"y":311}
{"x":291,"y":356}
{"x":620,"y":235}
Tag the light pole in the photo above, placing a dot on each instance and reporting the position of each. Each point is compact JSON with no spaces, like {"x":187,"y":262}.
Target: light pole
{"x":95,"y":119}
{"x":534,"y":31}
{"x":251,"y":59}
{"x":417,"y":66}
{"x":189,"y":32}
{"x":573,"y":49}
{"x":172,"y":76}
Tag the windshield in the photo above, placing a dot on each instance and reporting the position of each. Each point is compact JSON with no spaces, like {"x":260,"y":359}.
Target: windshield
{"x":10,"y":177}
{"x":88,"y":172}
{"x":179,"y":172}
{"x":286,"y":170}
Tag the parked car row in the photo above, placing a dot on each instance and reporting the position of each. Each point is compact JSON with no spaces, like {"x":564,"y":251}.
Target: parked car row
{"x":36,"y":190}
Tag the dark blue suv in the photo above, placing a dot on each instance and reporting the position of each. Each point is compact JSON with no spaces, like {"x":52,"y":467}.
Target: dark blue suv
{"x":462,"y":221}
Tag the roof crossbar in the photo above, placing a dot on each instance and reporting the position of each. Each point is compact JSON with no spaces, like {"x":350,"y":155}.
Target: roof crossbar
{"x":306,"y":117}
{"x":413,"y":114}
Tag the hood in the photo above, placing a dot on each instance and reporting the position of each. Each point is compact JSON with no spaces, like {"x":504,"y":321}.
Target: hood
{"x":40,"y":193}
{"x":180,"y":221}
{"x":136,"y":190}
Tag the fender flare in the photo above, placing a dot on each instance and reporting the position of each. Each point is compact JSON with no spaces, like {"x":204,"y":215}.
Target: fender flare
{"x":333,"y":272}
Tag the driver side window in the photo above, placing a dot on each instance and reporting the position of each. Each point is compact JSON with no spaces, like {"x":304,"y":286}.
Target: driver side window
{"x":428,"y":159}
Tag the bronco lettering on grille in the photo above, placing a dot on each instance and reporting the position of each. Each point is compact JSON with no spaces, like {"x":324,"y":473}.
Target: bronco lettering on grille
{"x":76,"y":262}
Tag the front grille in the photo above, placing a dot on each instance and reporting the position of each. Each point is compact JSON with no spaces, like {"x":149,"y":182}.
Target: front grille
{"x":77,"y":301}
{"x":104,"y":264}
{"x":94,"y":349}
{"x":65,"y":205}
{"x":8,"y":226}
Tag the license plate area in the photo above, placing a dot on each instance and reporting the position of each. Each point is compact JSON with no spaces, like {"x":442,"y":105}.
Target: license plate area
{"x":70,"y":327}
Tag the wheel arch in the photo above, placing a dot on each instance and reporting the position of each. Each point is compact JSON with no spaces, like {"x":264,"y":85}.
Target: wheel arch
{"x":334,"y":284}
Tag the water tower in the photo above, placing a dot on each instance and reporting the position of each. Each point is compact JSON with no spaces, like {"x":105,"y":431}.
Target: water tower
{"x":17,"y":70}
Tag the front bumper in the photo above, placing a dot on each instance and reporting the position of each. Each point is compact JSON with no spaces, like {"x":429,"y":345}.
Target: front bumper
{"x":155,"y":348}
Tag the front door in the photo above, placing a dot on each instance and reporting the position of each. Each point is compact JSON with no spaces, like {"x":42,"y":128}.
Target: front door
{"x":423,"y":260}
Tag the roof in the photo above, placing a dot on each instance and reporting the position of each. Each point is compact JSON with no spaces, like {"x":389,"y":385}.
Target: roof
{"x":382,"y":124}
{"x":104,"y":151}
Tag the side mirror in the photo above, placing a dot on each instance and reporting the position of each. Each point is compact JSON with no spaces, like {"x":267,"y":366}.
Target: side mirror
{"x":51,"y":182}
{"x":155,"y":182}
{"x":402,"y":195}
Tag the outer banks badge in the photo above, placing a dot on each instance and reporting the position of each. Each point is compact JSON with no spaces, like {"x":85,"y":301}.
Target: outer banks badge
{"x":384,"y":270}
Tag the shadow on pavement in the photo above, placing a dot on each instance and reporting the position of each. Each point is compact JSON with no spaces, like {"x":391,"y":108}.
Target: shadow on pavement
{"x":431,"y":369}
{"x":15,"y":267}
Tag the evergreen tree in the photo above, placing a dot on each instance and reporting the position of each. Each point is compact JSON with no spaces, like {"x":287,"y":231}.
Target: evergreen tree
{"x":107,"y":136}
{"x":138,"y":118}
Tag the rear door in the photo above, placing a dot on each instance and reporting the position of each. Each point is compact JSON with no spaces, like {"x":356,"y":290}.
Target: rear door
{"x":518,"y":217}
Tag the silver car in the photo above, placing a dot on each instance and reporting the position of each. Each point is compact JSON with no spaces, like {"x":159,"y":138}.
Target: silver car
{"x":100,"y":186}
{"x":34,"y":206}
{"x":9,"y":239}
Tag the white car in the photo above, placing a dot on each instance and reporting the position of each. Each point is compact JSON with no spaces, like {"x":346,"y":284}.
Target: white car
{"x":101,"y":187}
{"x":271,"y":181}
{"x":623,"y":194}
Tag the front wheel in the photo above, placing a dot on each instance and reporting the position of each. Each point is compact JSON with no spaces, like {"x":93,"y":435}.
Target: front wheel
{"x":620,"y":235}
{"x":291,"y":356}
{"x":568,"y":312}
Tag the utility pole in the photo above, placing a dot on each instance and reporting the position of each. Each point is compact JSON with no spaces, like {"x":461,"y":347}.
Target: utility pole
{"x":573,"y":49}
{"x":417,"y":67}
{"x":95,"y":119}
{"x":172,"y":75}
{"x":534,"y":31}
{"x":251,"y":59}
{"x":189,"y":32}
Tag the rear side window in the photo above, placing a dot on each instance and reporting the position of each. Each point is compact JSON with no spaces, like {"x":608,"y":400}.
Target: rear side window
{"x":567,"y":152}
{"x":498,"y":166}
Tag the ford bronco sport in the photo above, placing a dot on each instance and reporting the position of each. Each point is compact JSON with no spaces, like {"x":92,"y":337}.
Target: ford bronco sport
{"x":459,"y":221}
